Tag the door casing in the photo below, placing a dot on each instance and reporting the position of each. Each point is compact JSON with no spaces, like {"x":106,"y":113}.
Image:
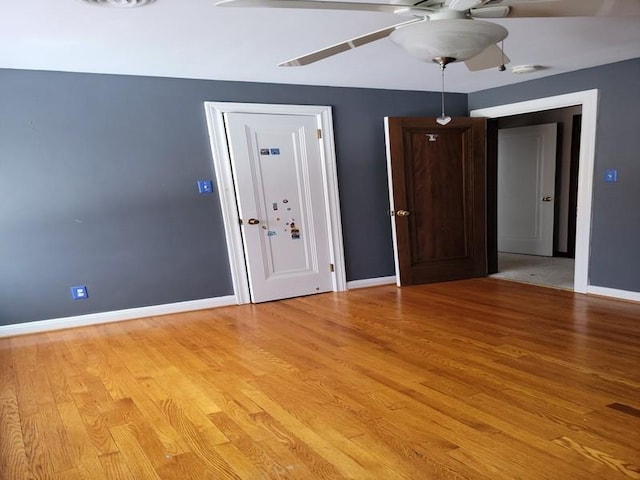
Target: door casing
{"x":588,"y":99}
{"x":226,"y":191}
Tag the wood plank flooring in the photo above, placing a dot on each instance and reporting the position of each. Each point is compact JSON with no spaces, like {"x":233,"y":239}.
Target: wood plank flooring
{"x":480,"y":379}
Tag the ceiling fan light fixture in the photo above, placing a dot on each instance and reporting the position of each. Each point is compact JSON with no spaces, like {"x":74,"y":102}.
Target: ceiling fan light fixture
{"x":457,"y":38}
{"x":120,"y":3}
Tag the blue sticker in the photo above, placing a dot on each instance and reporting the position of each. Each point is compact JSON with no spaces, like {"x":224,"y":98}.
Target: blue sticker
{"x":271,"y":233}
{"x":275,"y":151}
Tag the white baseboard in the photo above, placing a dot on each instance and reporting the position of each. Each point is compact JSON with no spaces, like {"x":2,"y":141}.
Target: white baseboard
{"x":114,"y":316}
{"x":614,"y":293}
{"x":371,"y":282}
{"x":133,"y":313}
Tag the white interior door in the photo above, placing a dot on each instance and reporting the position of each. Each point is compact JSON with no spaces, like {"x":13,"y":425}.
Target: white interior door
{"x":280,"y":192}
{"x":526,"y":186}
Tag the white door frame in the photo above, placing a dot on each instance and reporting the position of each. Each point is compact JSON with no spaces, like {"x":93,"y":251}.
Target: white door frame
{"x":224,"y":180}
{"x":588,"y":99}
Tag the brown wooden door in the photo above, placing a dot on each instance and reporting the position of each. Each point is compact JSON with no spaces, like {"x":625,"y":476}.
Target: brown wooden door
{"x":438,"y":198}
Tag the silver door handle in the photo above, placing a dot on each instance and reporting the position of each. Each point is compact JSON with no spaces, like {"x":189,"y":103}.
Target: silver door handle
{"x":253,"y":221}
{"x":403,"y":213}
{"x":546,"y":199}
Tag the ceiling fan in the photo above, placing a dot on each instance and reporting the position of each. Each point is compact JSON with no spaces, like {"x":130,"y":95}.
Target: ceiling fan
{"x":446,"y":31}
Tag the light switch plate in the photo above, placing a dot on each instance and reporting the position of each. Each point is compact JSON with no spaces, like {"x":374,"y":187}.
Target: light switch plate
{"x":205,"y":186}
{"x":611,"y":175}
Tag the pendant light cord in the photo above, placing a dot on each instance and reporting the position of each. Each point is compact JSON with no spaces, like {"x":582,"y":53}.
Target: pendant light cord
{"x":502,"y":67}
{"x":442,"y":67}
{"x":443,"y":119}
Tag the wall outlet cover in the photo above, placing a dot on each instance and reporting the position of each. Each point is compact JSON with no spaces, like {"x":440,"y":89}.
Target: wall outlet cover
{"x":79,"y":293}
{"x":205,"y":186}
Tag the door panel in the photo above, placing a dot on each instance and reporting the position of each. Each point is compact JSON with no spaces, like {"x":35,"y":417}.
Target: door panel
{"x":437,"y":175}
{"x":279,"y":183}
{"x":526,"y":189}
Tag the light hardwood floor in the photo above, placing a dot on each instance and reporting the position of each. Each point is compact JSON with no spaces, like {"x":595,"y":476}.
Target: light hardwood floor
{"x":480,"y":379}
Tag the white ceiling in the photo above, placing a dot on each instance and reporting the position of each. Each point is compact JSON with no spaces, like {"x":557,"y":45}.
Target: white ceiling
{"x":195,"y":39}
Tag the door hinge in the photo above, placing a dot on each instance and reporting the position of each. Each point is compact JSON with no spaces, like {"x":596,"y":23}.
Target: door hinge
{"x":319,"y":131}
{"x":332,"y":267}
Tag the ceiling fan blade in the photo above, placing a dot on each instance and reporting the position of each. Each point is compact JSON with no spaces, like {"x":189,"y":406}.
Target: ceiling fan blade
{"x":344,"y":46}
{"x":490,"y":12}
{"x":565,"y":8}
{"x":491,"y":57}
{"x":328,"y":5}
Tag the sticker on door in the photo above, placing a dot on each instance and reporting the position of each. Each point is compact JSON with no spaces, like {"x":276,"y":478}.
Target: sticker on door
{"x":295,"y":231}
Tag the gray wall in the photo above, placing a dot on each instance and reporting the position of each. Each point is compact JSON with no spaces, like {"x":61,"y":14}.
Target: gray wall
{"x":614,"y":260}
{"x":97,"y":187}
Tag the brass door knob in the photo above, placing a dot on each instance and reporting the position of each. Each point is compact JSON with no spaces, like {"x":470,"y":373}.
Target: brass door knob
{"x":253,"y":221}
{"x":403,"y":213}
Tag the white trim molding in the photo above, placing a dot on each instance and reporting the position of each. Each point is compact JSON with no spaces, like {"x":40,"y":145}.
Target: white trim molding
{"x":392,"y":206}
{"x":215,"y":112}
{"x":114,"y":316}
{"x":371,"y":282}
{"x":588,"y":99}
{"x":614,"y":293}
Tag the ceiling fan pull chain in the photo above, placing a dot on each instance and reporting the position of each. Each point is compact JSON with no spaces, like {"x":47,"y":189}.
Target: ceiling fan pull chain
{"x":442,"y":67}
{"x":443,"y":119}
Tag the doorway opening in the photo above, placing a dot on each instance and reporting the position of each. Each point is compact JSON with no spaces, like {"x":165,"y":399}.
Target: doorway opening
{"x":588,"y":101}
{"x":538,"y":163}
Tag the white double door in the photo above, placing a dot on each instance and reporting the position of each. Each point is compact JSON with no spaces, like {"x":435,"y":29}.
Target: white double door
{"x":280,"y":189}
